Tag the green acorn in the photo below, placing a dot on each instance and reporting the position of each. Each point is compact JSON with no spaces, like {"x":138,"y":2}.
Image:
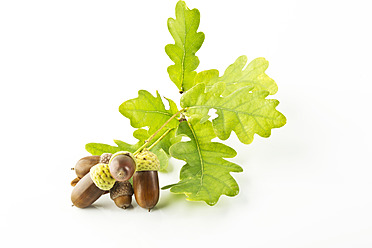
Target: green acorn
{"x":100,"y":174}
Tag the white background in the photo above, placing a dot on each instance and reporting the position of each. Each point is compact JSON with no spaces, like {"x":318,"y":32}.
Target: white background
{"x":66,"y":66}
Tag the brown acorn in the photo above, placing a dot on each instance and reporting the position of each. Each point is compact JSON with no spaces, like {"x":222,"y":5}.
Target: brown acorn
{"x":122,"y":166}
{"x":85,"y":192}
{"x":83,"y":166}
{"x":145,"y":180}
{"x":146,"y":188}
{"x":121,"y":194}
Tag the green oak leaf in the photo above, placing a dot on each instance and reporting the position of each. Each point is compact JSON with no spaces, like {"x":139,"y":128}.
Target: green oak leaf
{"x":243,"y":111}
{"x":148,"y":111}
{"x":206,"y":174}
{"x":99,"y":149}
{"x":235,"y":77}
{"x":187,"y":42}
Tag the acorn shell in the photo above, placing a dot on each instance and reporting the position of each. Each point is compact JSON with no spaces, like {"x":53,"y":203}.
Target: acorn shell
{"x":85,"y":192}
{"x":146,"y":188}
{"x":122,"y":166}
{"x":84,"y":165}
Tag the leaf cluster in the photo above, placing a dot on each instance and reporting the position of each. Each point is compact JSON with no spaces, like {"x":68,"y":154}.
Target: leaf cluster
{"x":239,"y":97}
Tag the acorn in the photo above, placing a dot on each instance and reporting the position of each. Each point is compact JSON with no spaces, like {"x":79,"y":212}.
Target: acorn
{"x":85,"y":192}
{"x":121,"y":193}
{"x":92,"y":186}
{"x":122,"y":166}
{"x":145,"y":179}
{"x":83,"y":166}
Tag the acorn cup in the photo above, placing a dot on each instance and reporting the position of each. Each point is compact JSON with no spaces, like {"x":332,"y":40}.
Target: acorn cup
{"x":145,"y":179}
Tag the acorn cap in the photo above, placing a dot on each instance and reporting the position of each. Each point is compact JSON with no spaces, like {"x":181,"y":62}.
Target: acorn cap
{"x":100,"y":174}
{"x":147,"y":161}
{"x":120,"y":189}
{"x":105,"y":158}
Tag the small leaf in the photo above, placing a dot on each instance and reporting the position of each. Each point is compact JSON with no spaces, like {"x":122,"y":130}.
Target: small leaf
{"x":99,"y":148}
{"x":243,"y":111}
{"x":148,"y":111}
{"x":206,"y":174}
{"x":187,"y":42}
{"x":235,"y":77}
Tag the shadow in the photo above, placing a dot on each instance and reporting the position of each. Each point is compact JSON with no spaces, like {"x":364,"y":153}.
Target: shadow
{"x":168,"y":198}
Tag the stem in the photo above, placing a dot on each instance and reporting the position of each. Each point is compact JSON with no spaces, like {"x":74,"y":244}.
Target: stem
{"x":140,"y":149}
{"x":157,"y":131}
{"x":160,"y":138}
{"x":165,"y":123}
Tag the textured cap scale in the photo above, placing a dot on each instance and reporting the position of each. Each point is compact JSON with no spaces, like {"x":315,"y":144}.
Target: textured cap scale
{"x":120,"y":189}
{"x":105,"y":158}
{"x":147,"y":161}
{"x":100,"y":174}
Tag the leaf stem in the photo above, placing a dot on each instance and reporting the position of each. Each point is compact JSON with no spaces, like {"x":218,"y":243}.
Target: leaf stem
{"x":140,"y":149}
{"x":157,"y":131}
{"x":165,"y":123}
{"x":160,"y":138}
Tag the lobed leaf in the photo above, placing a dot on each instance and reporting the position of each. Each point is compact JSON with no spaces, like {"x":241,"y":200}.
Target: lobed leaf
{"x":187,"y":42}
{"x":235,"y":77}
{"x":206,"y":174}
{"x":243,"y":111}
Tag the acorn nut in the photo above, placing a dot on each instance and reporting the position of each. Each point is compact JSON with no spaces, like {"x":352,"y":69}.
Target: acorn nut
{"x":145,"y":179}
{"x":83,"y":166}
{"x":121,"y":193}
{"x":85,"y":192}
{"x":122,"y":166}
